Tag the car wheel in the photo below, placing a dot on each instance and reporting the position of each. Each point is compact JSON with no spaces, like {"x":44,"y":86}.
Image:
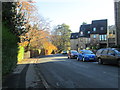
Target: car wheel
{"x":78,"y":59}
{"x":100,"y":61}
{"x":83,"y":59}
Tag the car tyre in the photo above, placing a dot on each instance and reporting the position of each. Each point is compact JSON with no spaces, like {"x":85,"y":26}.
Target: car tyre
{"x":100,"y":61}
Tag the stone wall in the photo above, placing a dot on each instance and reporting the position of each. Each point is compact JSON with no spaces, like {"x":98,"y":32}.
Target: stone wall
{"x":83,"y":41}
{"x":74,"y":44}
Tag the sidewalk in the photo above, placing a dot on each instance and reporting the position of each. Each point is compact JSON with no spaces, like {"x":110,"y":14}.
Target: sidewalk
{"x":24,"y":76}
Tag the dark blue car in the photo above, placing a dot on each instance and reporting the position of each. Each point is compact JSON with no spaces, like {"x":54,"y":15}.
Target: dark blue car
{"x":86,"y":55}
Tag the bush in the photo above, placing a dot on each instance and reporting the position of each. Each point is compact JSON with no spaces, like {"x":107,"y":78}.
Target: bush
{"x":9,"y":50}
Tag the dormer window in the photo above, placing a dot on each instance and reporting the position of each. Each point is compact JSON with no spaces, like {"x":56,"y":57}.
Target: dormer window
{"x":94,"y":29}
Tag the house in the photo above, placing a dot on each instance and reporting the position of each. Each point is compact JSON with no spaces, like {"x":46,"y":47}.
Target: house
{"x":111,"y":36}
{"x":98,"y":33}
{"x":84,"y":36}
{"x":74,"y":41}
{"x":92,"y":35}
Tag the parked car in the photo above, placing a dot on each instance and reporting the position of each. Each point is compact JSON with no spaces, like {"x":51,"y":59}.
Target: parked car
{"x":64,"y":52}
{"x":108,"y":55}
{"x":86,"y":55}
{"x":72,"y":54}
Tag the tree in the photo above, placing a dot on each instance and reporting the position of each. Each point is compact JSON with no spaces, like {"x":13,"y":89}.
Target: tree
{"x":61,"y":37}
{"x":13,"y":18}
{"x":84,"y":23}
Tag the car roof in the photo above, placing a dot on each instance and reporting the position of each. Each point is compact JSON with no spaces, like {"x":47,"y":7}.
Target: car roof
{"x":109,"y":49}
{"x":84,"y":50}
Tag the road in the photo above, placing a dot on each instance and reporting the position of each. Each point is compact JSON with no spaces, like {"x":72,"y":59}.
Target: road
{"x":60,"y":72}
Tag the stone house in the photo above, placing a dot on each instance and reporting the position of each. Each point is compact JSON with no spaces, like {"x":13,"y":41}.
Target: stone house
{"x":74,"y":41}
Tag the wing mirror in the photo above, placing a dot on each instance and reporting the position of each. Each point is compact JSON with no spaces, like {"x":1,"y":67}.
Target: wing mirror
{"x":112,"y":54}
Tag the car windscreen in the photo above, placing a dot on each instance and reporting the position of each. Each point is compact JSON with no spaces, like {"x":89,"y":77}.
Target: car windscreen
{"x":87,"y":52}
{"x":118,"y":51}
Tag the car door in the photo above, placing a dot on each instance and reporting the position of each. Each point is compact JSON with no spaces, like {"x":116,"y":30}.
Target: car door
{"x":80,"y":55}
{"x":112,"y":56}
{"x":104,"y":55}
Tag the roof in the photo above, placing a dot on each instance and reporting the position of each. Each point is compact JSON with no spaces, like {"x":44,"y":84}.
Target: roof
{"x":74,"y":36}
{"x":99,"y":20}
{"x":84,"y":30}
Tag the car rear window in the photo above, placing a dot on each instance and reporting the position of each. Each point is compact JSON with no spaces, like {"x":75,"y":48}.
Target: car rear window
{"x":87,"y":52}
{"x":74,"y":52}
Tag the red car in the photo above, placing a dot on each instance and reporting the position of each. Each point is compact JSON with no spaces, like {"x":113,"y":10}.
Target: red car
{"x":72,"y":54}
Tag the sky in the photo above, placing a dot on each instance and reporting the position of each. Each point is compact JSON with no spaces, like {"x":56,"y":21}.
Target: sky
{"x":75,"y":12}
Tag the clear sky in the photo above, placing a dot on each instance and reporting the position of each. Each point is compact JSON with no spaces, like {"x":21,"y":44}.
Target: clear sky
{"x":74,"y":12}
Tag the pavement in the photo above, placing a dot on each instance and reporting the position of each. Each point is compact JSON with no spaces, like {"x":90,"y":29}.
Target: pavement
{"x":24,"y":76}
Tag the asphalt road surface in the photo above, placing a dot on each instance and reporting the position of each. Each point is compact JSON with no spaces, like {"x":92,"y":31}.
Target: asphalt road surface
{"x":61,"y":72}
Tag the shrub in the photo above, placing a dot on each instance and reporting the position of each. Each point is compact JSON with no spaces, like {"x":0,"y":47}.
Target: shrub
{"x":9,"y":50}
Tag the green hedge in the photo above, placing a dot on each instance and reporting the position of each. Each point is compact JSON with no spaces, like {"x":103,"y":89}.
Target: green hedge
{"x":9,"y":50}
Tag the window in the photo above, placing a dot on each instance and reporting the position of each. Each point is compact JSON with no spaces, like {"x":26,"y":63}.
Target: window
{"x":111,"y":52}
{"x":102,"y":37}
{"x":105,"y":37}
{"x":101,"y":28}
{"x":81,"y":33}
{"x":99,"y":51}
{"x":88,"y":32}
{"x":94,"y":36}
{"x":104,"y":51}
{"x":113,"y":32}
{"x":94,"y":29}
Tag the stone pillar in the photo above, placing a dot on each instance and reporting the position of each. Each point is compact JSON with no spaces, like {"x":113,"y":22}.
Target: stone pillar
{"x":117,"y":21}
